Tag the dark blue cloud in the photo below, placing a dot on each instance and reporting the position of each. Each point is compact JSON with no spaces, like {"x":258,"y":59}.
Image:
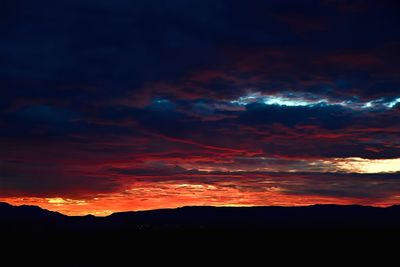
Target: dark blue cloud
{"x":126,"y":43}
{"x":101,"y":81}
{"x":327,"y":117}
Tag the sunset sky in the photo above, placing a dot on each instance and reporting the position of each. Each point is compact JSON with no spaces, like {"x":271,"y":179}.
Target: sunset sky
{"x":123,"y":105}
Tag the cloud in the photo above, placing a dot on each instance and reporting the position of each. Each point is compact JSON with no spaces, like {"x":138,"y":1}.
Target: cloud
{"x":199,"y":102}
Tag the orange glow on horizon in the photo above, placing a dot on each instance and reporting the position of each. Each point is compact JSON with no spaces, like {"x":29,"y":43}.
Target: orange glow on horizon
{"x":169,"y":195}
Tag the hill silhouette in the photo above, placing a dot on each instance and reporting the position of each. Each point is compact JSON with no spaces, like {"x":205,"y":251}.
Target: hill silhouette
{"x":76,"y":241}
{"x":32,"y":219}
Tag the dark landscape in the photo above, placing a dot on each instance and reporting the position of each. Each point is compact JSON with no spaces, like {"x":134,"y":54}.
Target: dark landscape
{"x":34,"y":220}
{"x":32,"y":235}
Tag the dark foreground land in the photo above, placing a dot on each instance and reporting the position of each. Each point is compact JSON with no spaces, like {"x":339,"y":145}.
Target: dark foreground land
{"x":31,"y":220}
{"x":31,"y":236}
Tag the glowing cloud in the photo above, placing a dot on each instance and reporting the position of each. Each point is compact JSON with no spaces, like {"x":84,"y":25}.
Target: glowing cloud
{"x":281,"y":100}
{"x":360,"y":165}
{"x":296,"y":100}
{"x":62,"y":201}
{"x":393,"y":103}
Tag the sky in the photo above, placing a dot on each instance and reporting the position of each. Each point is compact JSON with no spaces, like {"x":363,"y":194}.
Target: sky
{"x":124,"y":105}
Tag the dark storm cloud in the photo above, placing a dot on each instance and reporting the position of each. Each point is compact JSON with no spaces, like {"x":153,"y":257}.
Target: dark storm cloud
{"x":88,"y":86}
{"x":372,"y":186}
{"x":49,"y":180}
{"x":120,"y":46}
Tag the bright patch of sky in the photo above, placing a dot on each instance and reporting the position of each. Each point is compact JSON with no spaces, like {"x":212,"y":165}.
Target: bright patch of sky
{"x":360,"y":165}
{"x":393,"y":103}
{"x":299,"y":100}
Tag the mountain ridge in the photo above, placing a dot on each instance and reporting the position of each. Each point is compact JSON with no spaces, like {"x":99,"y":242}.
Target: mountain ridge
{"x":38,"y":208}
{"x":194,"y":228}
{"x":33,"y":219}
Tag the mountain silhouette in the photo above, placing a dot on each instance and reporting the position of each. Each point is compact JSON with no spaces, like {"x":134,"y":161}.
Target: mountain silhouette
{"x":32,"y":219}
{"x":55,"y":239}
